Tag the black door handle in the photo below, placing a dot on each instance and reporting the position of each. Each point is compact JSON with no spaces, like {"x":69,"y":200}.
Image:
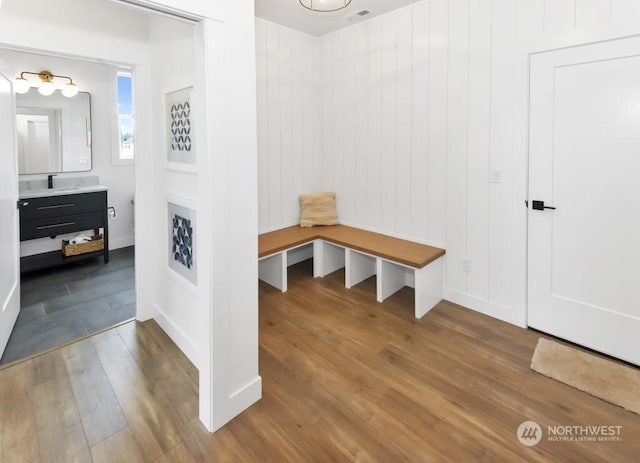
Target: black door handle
{"x":539,"y":205}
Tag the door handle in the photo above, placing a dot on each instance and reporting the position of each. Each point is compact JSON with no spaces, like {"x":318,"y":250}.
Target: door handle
{"x":46,"y":227}
{"x":56,"y":206}
{"x":539,"y":206}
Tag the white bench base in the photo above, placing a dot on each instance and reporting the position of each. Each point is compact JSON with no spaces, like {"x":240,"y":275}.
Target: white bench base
{"x":390,"y":276}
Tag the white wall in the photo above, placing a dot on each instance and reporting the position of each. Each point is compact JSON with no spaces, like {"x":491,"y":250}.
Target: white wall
{"x":489,"y":43}
{"x":384,"y":103}
{"x":176,"y":304}
{"x":226,"y":79}
{"x":289,"y":121}
{"x":100,"y":81}
{"x":92,"y":28}
{"x":422,"y":104}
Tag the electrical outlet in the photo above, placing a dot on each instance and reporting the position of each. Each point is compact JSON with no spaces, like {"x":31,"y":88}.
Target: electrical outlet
{"x":466,"y":264}
{"x":496,"y":176}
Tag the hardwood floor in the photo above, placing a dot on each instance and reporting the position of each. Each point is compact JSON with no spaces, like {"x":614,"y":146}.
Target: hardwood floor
{"x":344,"y":379}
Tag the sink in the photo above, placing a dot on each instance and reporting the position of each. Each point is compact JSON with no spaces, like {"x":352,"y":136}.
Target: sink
{"x":49,"y":191}
{"x":59,"y":191}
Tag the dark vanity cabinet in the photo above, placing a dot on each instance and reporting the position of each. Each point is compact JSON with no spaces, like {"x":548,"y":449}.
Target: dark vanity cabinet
{"x":51,"y":216}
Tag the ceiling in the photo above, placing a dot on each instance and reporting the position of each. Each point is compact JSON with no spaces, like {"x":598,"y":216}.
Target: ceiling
{"x":291,"y":14}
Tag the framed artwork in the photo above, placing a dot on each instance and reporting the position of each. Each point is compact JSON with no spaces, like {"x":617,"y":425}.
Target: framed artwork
{"x":180,"y":148}
{"x":182,"y":241}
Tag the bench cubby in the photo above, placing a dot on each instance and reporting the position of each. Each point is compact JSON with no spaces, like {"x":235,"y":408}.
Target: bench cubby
{"x":358,"y":267}
{"x":395,"y":262}
{"x":327,"y":258}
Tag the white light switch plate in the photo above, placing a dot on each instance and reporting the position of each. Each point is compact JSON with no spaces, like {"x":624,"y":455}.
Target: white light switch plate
{"x":496,"y":176}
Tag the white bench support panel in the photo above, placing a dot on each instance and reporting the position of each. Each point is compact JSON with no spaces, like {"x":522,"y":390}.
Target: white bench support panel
{"x":317,"y":258}
{"x":390,"y":278}
{"x":358,"y":267}
{"x":429,"y":286}
{"x":273,"y":270}
{"x":299,"y":254}
{"x":327,"y":258}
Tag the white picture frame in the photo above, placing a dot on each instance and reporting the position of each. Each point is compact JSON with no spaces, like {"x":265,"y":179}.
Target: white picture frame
{"x":179,"y":128}
{"x":182,"y":241}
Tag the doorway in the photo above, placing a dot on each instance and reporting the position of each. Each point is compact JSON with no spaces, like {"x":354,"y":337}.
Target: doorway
{"x":583,"y":175}
{"x":67,"y":298}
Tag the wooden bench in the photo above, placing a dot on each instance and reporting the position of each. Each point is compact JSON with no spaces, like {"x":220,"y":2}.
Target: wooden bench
{"x":395,"y":262}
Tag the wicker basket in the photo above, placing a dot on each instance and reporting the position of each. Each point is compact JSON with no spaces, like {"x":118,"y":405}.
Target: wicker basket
{"x":95,"y":244}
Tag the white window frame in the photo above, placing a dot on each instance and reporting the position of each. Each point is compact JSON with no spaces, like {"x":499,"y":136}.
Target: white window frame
{"x":116,"y":159}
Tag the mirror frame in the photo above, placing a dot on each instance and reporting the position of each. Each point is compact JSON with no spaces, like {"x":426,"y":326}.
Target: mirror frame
{"x":88,"y":131}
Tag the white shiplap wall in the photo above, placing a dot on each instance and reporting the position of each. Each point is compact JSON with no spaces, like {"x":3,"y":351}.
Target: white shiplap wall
{"x":385,"y":108}
{"x":289,"y":126}
{"x":439,"y":100}
{"x":420,"y":105}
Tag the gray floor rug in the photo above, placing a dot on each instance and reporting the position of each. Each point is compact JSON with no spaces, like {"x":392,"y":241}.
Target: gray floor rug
{"x":602,"y":378}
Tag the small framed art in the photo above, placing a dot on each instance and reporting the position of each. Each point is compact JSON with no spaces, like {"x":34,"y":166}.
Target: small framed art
{"x":180,"y":147}
{"x":182,"y":241}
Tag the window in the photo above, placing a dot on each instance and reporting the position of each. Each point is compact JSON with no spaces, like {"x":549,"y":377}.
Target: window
{"x":125,"y":115}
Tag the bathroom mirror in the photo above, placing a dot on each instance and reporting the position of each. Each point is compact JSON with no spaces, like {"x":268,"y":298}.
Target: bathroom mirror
{"x":54,"y":132}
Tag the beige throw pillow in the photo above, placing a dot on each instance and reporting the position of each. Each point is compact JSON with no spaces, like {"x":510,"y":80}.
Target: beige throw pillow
{"x":318,"y":209}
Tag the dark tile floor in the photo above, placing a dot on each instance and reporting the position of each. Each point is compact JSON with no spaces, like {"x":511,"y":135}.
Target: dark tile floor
{"x":64,"y":303}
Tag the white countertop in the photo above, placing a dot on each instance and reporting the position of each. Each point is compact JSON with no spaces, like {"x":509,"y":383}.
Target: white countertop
{"x":60,"y":191}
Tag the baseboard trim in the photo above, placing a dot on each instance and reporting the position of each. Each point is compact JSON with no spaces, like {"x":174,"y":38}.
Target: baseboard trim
{"x":492,"y":309}
{"x":253,"y":386}
{"x":239,"y":401}
{"x":178,"y":336}
{"x":123,"y":242}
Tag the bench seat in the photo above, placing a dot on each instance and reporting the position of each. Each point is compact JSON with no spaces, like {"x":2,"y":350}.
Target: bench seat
{"x":398,"y":250}
{"x":395,"y":262}
{"x":285,"y":238}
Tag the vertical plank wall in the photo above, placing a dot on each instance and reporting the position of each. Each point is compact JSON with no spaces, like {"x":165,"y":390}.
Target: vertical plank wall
{"x":385,"y":110}
{"x":422,"y":105}
{"x":289,"y":126}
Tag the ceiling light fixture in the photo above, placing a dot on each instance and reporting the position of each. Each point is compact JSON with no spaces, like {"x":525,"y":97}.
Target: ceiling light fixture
{"x":325,"y":6}
{"x":46,"y":85}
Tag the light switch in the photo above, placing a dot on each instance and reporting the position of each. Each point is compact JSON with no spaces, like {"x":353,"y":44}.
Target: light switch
{"x":496,"y":176}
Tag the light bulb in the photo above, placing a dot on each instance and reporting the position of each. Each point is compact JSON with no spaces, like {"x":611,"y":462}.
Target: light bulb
{"x":21,"y":85}
{"x":47,"y":88}
{"x":70,"y":90}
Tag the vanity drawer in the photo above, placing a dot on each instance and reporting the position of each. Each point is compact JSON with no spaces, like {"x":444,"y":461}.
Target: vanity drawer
{"x":62,"y":205}
{"x":53,"y":226}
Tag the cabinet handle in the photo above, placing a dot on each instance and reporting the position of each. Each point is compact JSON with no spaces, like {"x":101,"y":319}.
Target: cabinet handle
{"x":45,"y":227}
{"x":57,"y":206}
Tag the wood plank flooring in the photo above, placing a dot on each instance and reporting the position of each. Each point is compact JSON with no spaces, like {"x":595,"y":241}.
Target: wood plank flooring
{"x":344,"y":379}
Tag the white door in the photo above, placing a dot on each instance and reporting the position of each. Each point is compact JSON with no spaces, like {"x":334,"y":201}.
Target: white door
{"x":9,"y":237}
{"x":584,"y":160}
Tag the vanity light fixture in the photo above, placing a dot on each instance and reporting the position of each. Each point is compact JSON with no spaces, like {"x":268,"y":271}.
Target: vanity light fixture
{"x":46,"y":86}
{"x":325,"y":6}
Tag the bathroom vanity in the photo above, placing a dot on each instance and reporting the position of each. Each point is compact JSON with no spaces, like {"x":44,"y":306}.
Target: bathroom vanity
{"x":58,"y":211}
{"x":54,"y":138}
